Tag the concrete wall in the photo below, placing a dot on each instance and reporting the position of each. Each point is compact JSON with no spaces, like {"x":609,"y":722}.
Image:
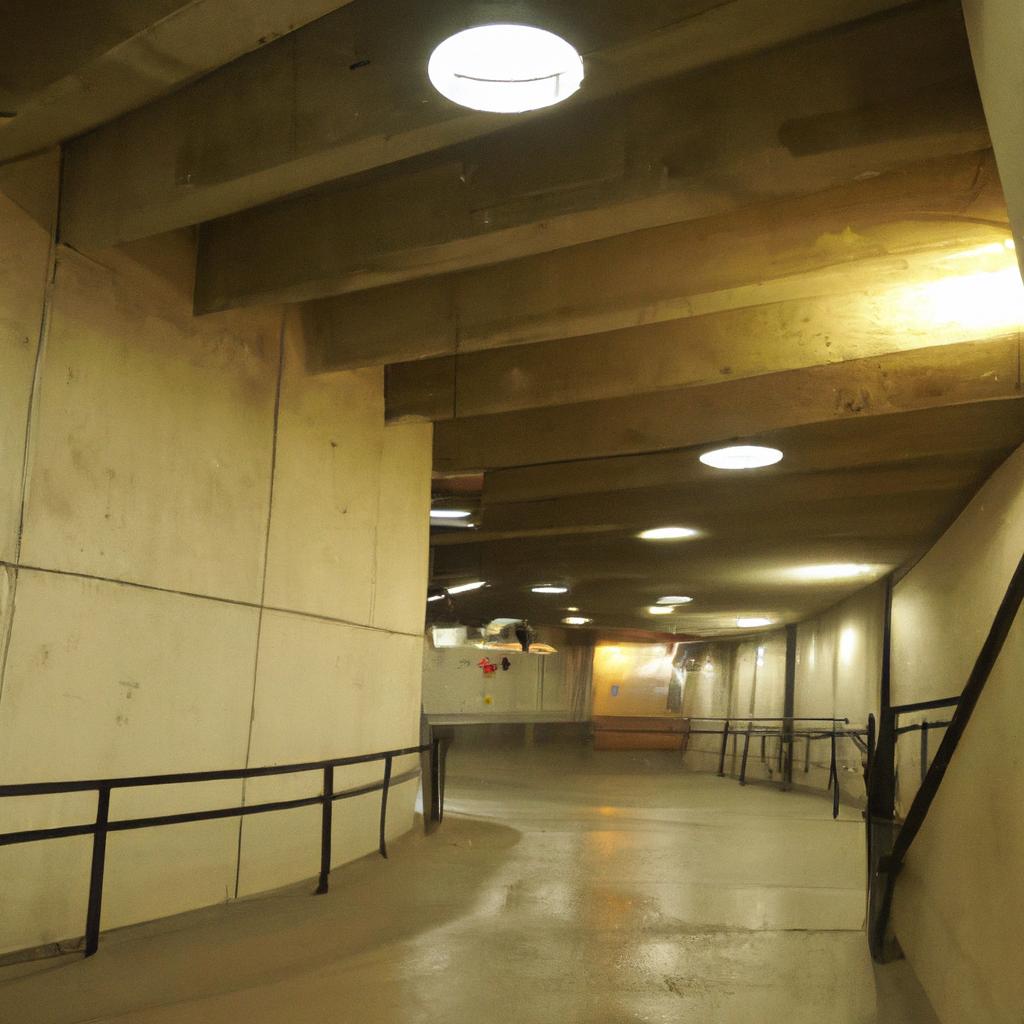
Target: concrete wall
{"x":210,"y":559}
{"x":958,"y":899}
{"x":453,"y":682}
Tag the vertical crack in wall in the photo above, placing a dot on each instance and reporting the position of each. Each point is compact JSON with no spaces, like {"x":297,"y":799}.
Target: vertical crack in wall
{"x":11,"y":572}
{"x":263,"y":582}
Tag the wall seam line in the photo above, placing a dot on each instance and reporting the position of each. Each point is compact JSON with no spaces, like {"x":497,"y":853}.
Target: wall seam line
{"x":263,"y":585}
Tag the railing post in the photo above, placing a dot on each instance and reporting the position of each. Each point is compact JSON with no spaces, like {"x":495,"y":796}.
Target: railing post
{"x":725,"y":743}
{"x":924,"y":751}
{"x":435,"y":779}
{"x":746,"y":751}
{"x":99,"y":854}
{"x":807,"y":755}
{"x":442,"y":779}
{"x":325,"y":834}
{"x":833,"y":776}
{"x":384,"y":806}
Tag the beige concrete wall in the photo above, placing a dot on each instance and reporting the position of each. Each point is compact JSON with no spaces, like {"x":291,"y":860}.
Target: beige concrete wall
{"x":957,"y":907}
{"x":222,"y":562}
{"x":707,"y":671}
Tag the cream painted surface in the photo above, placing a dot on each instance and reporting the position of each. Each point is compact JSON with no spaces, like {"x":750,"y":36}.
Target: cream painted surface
{"x":169,"y":486}
{"x":403,"y":528}
{"x":707,"y":693}
{"x":957,"y":907}
{"x":454,"y":682}
{"x":24,"y":263}
{"x":326,"y":483}
{"x":150,"y":459}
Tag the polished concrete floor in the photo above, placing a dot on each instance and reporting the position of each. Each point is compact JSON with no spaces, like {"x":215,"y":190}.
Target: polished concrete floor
{"x":564,"y":886}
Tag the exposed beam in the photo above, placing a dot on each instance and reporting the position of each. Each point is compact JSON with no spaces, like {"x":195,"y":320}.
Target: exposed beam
{"x":189,"y":39}
{"x":350,"y":94}
{"x":682,"y":417}
{"x":795,"y":120}
{"x":668,"y":272}
{"x":946,"y":432}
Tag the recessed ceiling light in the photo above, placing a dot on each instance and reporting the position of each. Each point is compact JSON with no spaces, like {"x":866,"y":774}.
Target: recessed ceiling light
{"x":572,"y":608}
{"x":667,"y":533}
{"x":575,"y":620}
{"x":449,"y":513}
{"x":660,"y":609}
{"x":741,"y":456}
{"x":835,"y":571}
{"x":505,"y":69}
{"x":435,"y":597}
{"x":462,"y":588}
{"x":548,"y":588}
{"x":674,"y":600}
{"x":752,"y":622}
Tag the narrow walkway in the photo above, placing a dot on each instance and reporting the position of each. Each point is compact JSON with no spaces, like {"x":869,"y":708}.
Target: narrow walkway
{"x":564,"y":886}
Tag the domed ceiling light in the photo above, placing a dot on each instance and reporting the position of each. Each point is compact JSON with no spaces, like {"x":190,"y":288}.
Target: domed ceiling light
{"x":752,"y":621}
{"x":505,"y":68}
{"x":674,"y":599}
{"x":742,"y":456}
{"x":667,"y":533}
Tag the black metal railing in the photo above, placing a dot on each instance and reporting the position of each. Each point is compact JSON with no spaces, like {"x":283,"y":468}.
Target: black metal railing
{"x":788,"y":732}
{"x":889,"y":841}
{"x":103,"y":825}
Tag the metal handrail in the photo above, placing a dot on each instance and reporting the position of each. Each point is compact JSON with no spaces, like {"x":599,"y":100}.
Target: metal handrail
{"x":102,"y":826}
{"x":888,"y":865}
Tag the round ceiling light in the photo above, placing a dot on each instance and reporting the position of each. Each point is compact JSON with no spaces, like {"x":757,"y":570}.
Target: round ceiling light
{"x":752,"y":621}
{"x":549,"y":588}
{"x":575,"y":620}
{"x":505,"y":69}
{"x":464,"y":588}
{"x":674,"y":600}
{"x":660,"y":609}
{"x":667,"y":533}
{"x":449,"y":513}
{"x":742,"y":456}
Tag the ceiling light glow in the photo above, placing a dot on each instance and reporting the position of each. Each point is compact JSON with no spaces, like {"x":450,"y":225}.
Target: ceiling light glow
{"x":667,"y":533}
{"x":575,"y":620}
{"x":463,"y":588}
{"x":676,"y":599}
{"x":505,"y":69}
{"x":449,"y":513}
{"x":752,"y":621}
{"x":833,"y":571}
{"x":549,"y":588}
{"x":660,"y":609}
{"x":742,"y":456}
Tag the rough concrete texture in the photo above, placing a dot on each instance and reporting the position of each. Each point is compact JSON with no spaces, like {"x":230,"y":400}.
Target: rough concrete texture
{"x":562,"y":886}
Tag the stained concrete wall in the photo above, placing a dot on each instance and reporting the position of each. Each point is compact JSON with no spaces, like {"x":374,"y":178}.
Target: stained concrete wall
{"x":957,"y":906}
{"x":210,"y":559}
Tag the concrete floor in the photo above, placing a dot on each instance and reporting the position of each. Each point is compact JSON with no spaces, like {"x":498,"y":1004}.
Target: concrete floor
{"x":563,"y":886}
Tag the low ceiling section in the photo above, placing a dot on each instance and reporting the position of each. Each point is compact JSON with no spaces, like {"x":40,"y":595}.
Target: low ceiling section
{"x":765,"y":223}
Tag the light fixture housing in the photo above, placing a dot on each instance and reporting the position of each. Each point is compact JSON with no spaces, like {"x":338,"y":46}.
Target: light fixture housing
{"x":742,"y":456}
{"x":505,"y":68}
{"x":752,"y":621}
{"x":549,"y":588}
{"x":667,"y":533}
{"x":463,"y":588}
{"x":449,"y":513}
{"x":674,"y":599}
{"x":576,"y":620}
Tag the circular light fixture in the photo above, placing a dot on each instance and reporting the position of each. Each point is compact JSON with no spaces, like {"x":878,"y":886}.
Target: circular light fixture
{"x":742,"y":456}
{"x":835,"y":571}
{"x":660,"y":609}
{"x":667,"y":533}
{"x":575,"y":620}
{"x":463,"y":588}
{"x":505,"y":69}
{"x":752,"y":622}
{"x":549,"y":588}
{"x":449,"y":513}
{"x":572,"y":608}
{"x":674,"y":600}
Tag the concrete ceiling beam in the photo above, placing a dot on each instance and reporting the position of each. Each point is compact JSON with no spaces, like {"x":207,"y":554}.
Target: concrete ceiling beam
{"x":684,"y":417}
{"x":759,"y":254}
{"x":795,"y":120}
{"x":350,"y":94}
{"x":188,"y":39}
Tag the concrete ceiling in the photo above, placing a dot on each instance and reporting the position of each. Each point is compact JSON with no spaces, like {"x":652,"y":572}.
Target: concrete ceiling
{"x":779,"y":223}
